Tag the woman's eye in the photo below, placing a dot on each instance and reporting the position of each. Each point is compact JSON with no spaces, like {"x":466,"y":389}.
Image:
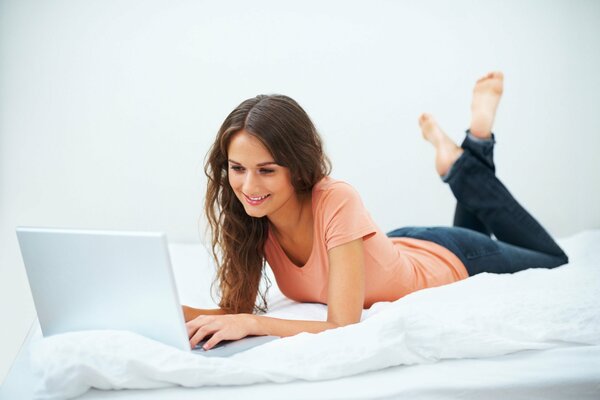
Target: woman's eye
{"x":262,"y":171}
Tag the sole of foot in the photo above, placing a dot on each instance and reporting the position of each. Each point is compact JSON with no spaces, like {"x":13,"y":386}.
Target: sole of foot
{"x":486,"y":97}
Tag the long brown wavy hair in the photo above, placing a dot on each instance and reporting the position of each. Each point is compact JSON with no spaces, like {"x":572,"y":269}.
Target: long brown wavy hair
{"x":238,"y":239}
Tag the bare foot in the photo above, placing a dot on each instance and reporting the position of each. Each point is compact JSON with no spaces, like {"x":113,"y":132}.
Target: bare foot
{"x":486,"y":96}
{"x":446,"y":150}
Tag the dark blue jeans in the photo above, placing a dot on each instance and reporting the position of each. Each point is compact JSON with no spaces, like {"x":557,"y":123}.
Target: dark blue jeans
{"x":484,"y":207}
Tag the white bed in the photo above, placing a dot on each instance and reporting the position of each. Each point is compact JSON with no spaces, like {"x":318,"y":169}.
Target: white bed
{"x":563,"y":360}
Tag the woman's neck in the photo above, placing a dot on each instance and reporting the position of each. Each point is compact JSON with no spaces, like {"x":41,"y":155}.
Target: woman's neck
{"x":295,"y":219}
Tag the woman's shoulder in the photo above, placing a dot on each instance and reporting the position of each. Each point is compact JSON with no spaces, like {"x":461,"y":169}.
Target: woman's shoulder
{"x":329,"y":183}
{"x":333,"y":189}
{"x":340,"y":215}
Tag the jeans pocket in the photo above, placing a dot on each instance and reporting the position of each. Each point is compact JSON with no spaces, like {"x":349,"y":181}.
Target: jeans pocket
{"x":472,"y":244}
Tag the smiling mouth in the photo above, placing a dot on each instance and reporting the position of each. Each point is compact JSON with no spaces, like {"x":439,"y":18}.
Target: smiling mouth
{"x":254,"y":201}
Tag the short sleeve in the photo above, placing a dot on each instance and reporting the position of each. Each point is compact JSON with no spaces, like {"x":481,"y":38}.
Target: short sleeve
{"x":345,"y":217}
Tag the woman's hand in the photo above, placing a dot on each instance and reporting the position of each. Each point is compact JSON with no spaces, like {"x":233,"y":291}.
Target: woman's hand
{"x":221,"y":327}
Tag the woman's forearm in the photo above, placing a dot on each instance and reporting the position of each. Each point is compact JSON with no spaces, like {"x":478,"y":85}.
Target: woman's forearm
{"x":261,"y":325}
{"x":190,"y":313}
{"x":287,"y":327}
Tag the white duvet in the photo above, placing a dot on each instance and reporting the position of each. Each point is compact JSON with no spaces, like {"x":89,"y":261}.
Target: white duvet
{"x":483,"y":316}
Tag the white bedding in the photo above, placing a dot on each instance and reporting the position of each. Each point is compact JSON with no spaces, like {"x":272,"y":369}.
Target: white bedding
{"x":483,"y":316}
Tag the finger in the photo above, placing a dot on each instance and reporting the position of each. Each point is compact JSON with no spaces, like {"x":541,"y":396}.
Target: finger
{"x":200,"y":335}
{"x":213,"y":341}
{"x":193,"y":325}
{"x":191,"y":328}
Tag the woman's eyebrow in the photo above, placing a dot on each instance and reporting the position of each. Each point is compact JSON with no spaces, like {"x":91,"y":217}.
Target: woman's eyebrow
{"x":262,"y":164}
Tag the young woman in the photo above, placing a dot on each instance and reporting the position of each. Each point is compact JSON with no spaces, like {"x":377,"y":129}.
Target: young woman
{"x":270,"y":198}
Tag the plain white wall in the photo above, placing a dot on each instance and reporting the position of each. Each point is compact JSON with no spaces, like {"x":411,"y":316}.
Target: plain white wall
{"x":107,"y":108}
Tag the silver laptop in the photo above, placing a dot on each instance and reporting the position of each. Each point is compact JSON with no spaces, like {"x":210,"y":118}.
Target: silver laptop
{"x":119,"y":280}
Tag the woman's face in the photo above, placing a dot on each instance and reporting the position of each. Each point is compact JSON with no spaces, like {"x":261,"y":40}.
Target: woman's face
{"x":262,"y":186}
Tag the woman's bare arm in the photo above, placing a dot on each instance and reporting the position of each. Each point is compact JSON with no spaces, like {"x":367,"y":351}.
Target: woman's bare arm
{"x":346,"y":292}
{"x":190,"y":313}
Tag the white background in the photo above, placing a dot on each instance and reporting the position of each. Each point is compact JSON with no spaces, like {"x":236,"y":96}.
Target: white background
{"x":107,"y":108}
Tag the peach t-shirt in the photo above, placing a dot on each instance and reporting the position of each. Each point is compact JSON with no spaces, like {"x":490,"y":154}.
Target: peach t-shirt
{"x":394,"y":267}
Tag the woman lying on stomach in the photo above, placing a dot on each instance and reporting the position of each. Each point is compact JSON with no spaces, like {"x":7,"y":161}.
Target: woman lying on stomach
{"x":270,"y":198}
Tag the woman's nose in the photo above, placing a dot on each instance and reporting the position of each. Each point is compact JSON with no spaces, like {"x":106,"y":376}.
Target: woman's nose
{"x":249,"y":183}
